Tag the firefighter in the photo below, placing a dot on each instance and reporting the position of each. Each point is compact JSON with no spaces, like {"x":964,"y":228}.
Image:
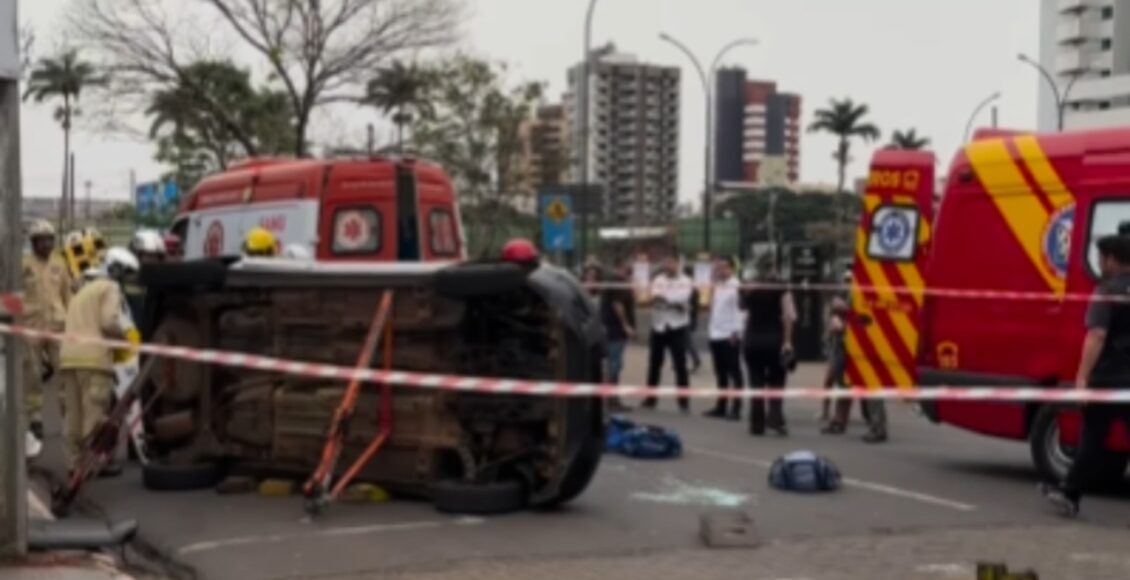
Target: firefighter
{"x":148,"y":246}
{"x":47,"y":291}
{"x":260,"y":243}
{"x":87,"y":370}
{"x":1104,"y":364}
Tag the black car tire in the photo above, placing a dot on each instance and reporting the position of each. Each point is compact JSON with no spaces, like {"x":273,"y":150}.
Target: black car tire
{"x":158,"y":476}
{"x":1053,"y":460}
{"x":479,"y":499}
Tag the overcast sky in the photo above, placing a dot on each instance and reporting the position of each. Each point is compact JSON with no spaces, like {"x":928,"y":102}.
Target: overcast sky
{"x":922,"y":64}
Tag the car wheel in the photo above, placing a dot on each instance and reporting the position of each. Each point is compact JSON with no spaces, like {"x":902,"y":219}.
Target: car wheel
{"x":479,"y":499}
{"x":159,"y":476}
{"x":1053,"y":459}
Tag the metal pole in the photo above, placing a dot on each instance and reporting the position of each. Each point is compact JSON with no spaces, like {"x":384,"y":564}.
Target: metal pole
{"x":977,"y":111}
{"x":995,"y":112}
{"x":583,"y":88}
{"x":1051,"y":82}
{"x":13,"y":475}
{"x":1066,"y":94}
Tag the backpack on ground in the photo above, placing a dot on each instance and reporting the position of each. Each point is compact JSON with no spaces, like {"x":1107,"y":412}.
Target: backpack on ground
{"x":804,"y":471}
{"x":642,"y":441}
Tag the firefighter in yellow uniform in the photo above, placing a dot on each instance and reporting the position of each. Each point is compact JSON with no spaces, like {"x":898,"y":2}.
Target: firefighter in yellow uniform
{"x":47,"y":292}
{"x":87,"y":370}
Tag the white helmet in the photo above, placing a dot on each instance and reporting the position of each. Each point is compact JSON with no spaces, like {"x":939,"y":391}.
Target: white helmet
{"x":119,"y":262}
{"x":41,"y":228}
{"x":147,"y":242}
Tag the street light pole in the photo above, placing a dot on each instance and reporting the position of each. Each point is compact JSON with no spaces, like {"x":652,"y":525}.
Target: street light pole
{"x":1060,"y":102}
{"x":583,"y":112}
{"x":707,"y":177}
{"x":977,"y":111}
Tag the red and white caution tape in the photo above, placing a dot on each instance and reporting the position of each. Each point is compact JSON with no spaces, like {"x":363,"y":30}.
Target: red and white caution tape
{"x":11,"y":305}
{"x":907,"y":291}
{"x":564,"y":389}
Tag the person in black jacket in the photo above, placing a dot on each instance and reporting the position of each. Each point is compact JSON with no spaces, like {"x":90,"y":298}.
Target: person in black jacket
{"x":692,"y":345}
{"x":768,"y":346}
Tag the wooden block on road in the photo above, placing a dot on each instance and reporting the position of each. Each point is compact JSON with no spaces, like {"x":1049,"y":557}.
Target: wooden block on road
{"x":731,"y":529}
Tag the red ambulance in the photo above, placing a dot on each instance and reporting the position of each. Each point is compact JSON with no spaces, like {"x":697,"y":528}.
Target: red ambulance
{"x":1019,"y":213}
{"x":334,"y":210}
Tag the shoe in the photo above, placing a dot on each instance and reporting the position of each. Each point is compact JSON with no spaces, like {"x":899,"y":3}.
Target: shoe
{"x":648,"y":404}
{"x":1067,"y":506}
{"x":715,"y":413}
{"x":735,"y":416}
{"x":833,"y":429}
{"x":780,"y":430}
{"x":618,"y":406}
{"x":875,"y":438}
{"x":110,"y":470}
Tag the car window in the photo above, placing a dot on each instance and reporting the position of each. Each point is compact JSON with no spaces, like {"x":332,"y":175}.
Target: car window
{"x":441,"y":225}
{"x":1106,"y":217}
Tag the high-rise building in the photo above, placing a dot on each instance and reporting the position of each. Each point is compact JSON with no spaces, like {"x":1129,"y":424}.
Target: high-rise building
{"x":757,"y":132}
{"x":544,"y":157}
{"x":633,"y":136}
{"x":1085,"y":44}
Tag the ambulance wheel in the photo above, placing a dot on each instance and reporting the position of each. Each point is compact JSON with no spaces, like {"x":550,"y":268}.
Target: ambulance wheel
{"x":479,"y":499}
{"x":1053,"y":459}
{"x":159,"y":476}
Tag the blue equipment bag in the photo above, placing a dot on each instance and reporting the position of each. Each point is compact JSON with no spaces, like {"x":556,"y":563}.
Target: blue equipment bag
{"x":804,"y":471}
{"x":642,"y":441}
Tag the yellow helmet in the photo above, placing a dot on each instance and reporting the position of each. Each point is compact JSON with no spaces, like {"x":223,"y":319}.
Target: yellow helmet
{"x":41,"y":228}
{"x":260,"y":242}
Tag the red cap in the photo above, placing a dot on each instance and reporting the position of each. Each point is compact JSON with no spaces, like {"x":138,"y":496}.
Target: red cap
{"x":519,"y":250}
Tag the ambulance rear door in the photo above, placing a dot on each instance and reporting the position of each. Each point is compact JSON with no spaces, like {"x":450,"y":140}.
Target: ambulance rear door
{"x":891,"y":250}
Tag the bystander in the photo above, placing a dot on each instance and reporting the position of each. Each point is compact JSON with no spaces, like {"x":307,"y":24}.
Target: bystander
{"x":725,"y":328}
{"x":670,"y":319}
{"x":770,"y":318}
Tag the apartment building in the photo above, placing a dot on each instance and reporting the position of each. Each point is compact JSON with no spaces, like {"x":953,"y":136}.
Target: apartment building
{"x":1085,"y":46}
{"x":544,"y":157}
{"x":757,"y":132}
{"x":633,"y":136}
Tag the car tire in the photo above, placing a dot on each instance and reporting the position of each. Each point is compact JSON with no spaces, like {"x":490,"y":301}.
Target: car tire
{"x":159,"y":476}
{"x":479,"y":499}
{"x":1053,"y":460}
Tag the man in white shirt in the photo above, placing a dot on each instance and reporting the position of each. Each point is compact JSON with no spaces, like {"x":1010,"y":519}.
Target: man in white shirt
{"x":726,"y":324}
{"x":670,"y":319}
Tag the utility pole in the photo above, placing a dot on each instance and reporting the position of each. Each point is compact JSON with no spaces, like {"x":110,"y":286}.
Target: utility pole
{"x":71,"y":197}
{"x":88,"y":184}
{"x":13,"y":473}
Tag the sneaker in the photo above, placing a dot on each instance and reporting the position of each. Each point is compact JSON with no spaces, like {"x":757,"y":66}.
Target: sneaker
{"x":715,"y":413}
{"x":780,"y":430}
{"x":1054,"y":495}
{"x":875,"y":438}
{"x":833,"y":429}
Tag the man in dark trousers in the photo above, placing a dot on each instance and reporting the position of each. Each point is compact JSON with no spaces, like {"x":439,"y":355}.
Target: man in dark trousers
{"x":770,"y":317}
{"x":670,"y":319}
{"x":725,"y":328}
{"x":1104,"y":364}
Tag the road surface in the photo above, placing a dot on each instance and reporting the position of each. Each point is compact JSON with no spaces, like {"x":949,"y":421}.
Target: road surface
{"x":930,"y":504}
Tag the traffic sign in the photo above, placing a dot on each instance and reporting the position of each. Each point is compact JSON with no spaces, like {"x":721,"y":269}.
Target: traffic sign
{"x":557,"y":222}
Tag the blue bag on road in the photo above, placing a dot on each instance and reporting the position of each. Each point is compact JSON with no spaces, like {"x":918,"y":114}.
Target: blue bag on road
{"x":804,"y":471}
{"x":642,"y":441}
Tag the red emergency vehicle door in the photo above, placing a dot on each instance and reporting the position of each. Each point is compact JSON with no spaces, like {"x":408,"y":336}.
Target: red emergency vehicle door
{"x":891,"y":250}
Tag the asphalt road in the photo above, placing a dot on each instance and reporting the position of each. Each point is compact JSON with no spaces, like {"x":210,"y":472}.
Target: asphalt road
{"x":928,"y":504}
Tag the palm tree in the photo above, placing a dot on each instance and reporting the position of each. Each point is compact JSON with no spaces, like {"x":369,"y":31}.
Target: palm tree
{"x":401,"y":90}
{"x":844,"y":119}
{"x":63,"y":77}
{"x":909,"y":140}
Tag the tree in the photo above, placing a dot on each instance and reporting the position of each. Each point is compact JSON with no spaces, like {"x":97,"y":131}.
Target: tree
{"x":909,"y":140}
{"x":474,"y":129}
{"x":317,"y":51}
{"x":845,"y":120}
{"x":401,"y":90}
{"x":63,"y":77}
{"x":195,"y":141}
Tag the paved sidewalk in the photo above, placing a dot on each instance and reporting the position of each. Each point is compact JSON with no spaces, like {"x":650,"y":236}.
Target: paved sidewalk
{"x":1067,"y":552}
{"x":63,"y":567}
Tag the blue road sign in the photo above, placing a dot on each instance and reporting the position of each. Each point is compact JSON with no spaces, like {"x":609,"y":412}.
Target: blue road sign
{"x":556,"y":222}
